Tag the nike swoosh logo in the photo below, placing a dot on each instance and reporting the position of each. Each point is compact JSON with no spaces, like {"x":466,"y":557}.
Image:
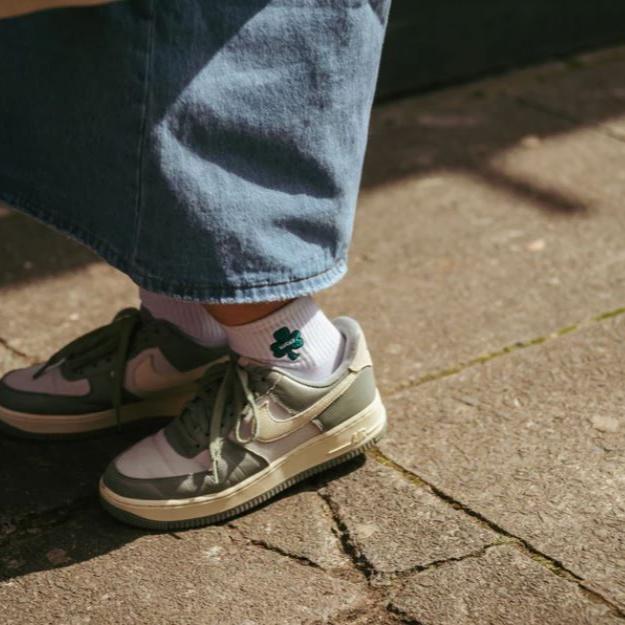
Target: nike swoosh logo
{"x":150,"y":372}
{"x":269,"y":428}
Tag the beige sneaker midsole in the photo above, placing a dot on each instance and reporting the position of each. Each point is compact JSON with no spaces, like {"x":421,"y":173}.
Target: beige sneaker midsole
{"x":162,"y":406}
{"x":352,"y":434}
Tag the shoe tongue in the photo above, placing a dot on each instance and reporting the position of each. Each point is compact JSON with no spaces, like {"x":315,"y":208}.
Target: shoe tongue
{"x":180,"y":440}
{"x":260,"y":376}
{"x":256,"y":367}
{"x":145,"y":314}
{"x":181,"y":433}
{"x":190,"y":427}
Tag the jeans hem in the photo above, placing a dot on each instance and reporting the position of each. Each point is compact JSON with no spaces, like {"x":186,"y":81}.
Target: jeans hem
{"x":281,"y":289}
{"x":246,"y":294}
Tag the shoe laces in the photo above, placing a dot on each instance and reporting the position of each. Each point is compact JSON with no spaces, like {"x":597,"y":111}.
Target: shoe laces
{"x":109,"y":341}
{"x":225,"y":399}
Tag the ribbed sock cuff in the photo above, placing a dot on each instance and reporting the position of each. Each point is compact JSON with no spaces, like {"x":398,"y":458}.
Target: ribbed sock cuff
{"x":297,"y":337}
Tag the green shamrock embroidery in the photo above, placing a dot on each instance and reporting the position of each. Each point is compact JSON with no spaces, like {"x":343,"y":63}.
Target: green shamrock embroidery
{"x":286,"y":343}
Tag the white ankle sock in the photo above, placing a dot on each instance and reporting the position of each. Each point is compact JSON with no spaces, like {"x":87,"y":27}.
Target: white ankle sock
{"x":297,"y":337}
{"x":193,"y":319}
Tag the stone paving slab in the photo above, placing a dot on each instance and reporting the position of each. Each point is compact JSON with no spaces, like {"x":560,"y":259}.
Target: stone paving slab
{"x":501,"y":587}
{"x":37,"y":319}
{"x":32,"y":251}
{"x":52,"y":289}
{"x":535,"y":442}
{"x":39,"y":476}
{"x":396,"y":525}
{"x":10,"y":360}
{"x":111,"y":574}
{"x":299,"y":524}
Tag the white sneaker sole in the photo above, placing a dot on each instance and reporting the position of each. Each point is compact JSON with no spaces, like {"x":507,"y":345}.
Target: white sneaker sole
{"x":41,"y":426}
{"x":343,"y":442}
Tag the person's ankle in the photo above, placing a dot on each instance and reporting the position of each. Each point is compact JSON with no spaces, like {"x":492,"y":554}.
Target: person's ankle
{"x":193,"y":319}
{"x":240,"y":314}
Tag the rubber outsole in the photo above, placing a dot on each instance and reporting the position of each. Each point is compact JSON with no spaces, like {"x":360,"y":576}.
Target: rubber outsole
{"x":131,"y":519}
{"x":151,"y":409}
{"x":16,"y":433}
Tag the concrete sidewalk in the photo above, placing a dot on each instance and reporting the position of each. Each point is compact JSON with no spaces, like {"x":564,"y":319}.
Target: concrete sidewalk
{"x":488,"y":270}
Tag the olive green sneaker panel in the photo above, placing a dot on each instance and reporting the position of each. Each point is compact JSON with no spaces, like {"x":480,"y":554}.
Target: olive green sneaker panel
{"x":178,"y":348}
{"x":236,"y":465}
{"x":98,"y":398}
{"x":270,"y":431}
{"x":180,"y":440}
{"x":183,"y":352}
{"x":296,"y":394}
{"x":296,"y":397}
{"x":300,"y":394}
{"x":356,"y":398}
{"x":292,"y":395}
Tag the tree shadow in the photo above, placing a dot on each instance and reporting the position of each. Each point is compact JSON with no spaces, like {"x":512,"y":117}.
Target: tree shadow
{"x":467,"y":132}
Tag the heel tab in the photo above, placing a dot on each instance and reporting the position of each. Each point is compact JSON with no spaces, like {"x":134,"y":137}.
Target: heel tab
{"x":357,"y":352}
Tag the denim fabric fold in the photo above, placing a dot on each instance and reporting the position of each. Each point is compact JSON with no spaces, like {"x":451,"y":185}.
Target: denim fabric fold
{"x":212,"y":150}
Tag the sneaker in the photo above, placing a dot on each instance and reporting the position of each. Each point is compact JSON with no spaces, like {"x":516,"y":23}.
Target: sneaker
{"x":252,"y":433}
{"x":134,"y":368}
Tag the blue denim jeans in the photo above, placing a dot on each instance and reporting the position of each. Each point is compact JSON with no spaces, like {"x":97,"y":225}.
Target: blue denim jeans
{"x":210,"y":149}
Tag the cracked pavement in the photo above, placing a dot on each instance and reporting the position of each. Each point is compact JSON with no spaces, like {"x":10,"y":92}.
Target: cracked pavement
{"x":488,"y":270}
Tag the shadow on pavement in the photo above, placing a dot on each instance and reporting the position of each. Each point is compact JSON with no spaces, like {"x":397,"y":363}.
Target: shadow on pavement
{"x":46,"y":484}
{"x":466,"y":137}
{"x":53,"y":519}
{"x":30,"y":251}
